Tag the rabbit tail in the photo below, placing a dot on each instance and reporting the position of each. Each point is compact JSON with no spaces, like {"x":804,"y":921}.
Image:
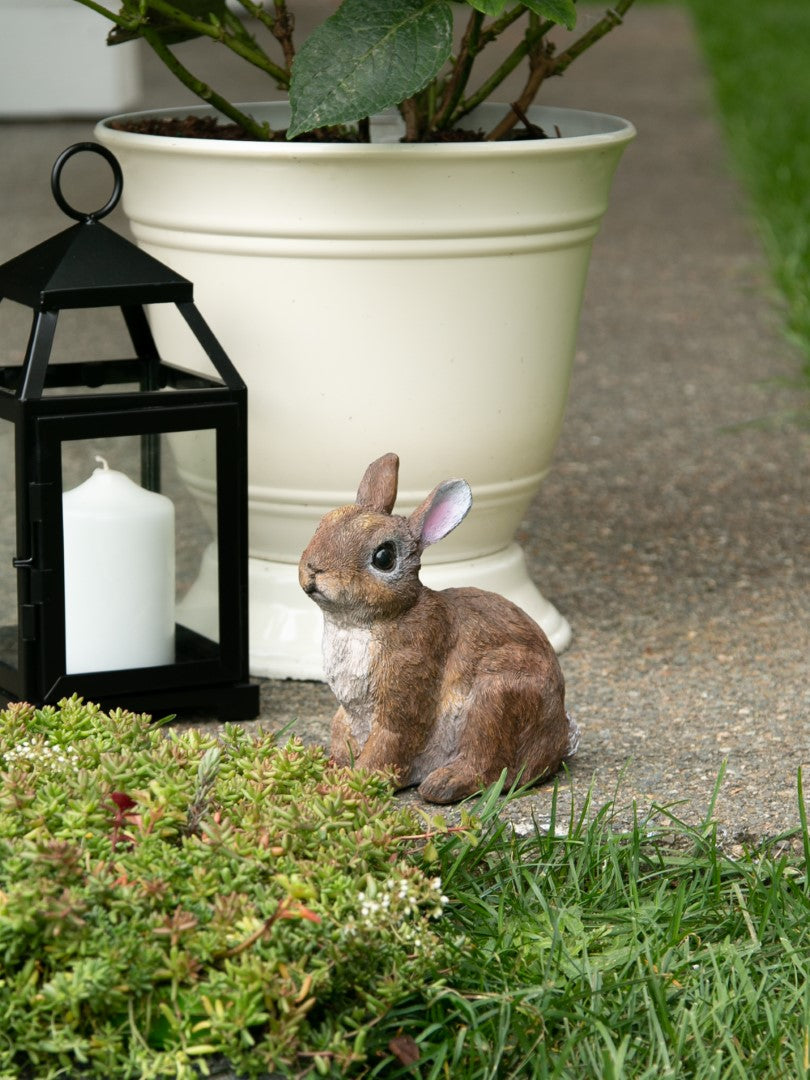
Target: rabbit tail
{"x":574,"y":736}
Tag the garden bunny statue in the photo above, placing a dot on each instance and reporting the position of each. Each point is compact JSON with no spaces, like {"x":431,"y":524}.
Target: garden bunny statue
{"x":446,"y":688}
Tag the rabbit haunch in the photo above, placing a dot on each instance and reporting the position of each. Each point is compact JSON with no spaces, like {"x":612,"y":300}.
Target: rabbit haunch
{"x":446,"y":688}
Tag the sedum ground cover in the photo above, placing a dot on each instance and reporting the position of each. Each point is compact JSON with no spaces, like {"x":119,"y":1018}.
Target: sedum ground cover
{"x":169,"y":902}
{"x":165,"y":899}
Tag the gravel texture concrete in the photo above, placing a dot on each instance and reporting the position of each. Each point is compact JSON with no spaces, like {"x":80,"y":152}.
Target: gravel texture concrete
{"x":673,"y":529}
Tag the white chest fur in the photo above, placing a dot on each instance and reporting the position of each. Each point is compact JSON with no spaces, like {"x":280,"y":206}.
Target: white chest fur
{"x":347,"y":656}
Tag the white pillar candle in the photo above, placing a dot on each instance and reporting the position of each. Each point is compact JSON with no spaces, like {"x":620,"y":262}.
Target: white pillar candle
{"x":119,"y":574}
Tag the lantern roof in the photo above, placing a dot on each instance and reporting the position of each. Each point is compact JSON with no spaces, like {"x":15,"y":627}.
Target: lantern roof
{"x":89,"y":265}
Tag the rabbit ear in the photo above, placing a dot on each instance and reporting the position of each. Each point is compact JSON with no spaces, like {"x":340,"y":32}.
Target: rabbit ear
{"x":445,"y":507}
{"x":378,"y":488}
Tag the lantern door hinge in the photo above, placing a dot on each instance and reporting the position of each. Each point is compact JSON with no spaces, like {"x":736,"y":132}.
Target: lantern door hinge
{"x":39,"y":581}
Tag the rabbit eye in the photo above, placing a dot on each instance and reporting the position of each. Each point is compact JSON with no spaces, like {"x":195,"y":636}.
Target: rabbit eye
{"x":384,"y":557}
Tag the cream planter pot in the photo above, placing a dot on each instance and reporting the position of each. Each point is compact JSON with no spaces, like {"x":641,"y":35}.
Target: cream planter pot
{"x":416,"y":298}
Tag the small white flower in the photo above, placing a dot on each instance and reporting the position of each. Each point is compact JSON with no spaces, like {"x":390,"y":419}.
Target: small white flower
{"x":28,"y":750}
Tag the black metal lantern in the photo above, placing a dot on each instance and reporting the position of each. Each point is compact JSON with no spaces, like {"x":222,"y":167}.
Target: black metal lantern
{"x":124,"y":481}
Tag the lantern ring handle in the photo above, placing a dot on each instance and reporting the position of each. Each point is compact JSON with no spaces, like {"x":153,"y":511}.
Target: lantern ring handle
{"x":56,"y":175}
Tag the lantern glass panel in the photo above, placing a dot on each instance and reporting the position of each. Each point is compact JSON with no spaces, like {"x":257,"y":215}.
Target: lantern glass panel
{"x":93,"y":334}
{"x":139,"y":532}
{"x":15,"y":324}
{"x":8,"y":545}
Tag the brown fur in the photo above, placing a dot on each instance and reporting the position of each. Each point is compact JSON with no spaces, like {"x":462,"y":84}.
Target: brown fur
{"x":447,"y":688}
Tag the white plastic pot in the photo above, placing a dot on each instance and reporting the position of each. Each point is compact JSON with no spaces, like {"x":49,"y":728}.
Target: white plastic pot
{"x":416,"y":298}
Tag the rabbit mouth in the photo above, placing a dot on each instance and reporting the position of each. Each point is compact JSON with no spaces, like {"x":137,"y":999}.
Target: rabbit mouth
{"x":314,"y":593}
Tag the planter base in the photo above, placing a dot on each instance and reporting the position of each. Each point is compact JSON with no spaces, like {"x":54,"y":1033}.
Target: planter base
{"x":286,"y":627}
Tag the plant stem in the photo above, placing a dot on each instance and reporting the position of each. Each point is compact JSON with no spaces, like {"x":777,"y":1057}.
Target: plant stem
{"x":539,"y":70}
{"x":283,"y":26}
{"x":202,"y":90}
{"x":101,"y":10}
{"x":461,"y":71}
{"x":217,"y":32}
{"x":497,"y":26}
{"x":519,"y":53}
{"x":545,"y":64}
{"x":410,"y":112}
{"x":248,"y":941}
{"x":609,"y":21}
{"x":259,"y":12}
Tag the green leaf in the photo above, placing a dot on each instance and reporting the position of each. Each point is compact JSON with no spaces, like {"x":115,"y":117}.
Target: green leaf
{"x":559,"y":11}
{"x":488,"y":7}
{"x":370,"y":55}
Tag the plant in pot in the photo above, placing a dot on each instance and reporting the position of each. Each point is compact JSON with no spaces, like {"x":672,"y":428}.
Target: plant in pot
{"x":393,"y":261}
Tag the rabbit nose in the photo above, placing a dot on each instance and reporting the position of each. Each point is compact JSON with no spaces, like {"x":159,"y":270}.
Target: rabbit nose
{"x":309,"y":585}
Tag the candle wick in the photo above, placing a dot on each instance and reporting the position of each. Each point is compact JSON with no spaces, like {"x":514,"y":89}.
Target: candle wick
{"x":102,"y":461}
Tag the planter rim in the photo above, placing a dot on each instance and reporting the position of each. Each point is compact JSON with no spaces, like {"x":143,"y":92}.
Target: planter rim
{"x":605,"y":129}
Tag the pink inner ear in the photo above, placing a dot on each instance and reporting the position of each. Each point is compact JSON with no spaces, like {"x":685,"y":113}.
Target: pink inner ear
{"x":449,"y":508}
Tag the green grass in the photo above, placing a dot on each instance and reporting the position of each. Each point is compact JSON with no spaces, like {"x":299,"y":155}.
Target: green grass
{"x":598,"y":953}
{"x":759,"y":60}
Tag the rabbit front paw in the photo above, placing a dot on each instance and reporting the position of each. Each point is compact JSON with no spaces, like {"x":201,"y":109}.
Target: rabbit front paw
{"x":448,"y":784}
